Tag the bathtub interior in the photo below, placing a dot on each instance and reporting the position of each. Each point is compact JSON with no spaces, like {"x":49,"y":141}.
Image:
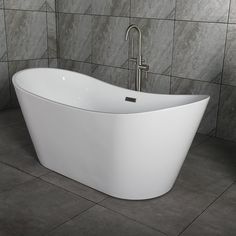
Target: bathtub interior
{"x":84,"y":92}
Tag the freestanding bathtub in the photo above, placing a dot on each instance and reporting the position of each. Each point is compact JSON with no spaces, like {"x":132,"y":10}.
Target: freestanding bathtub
{"x":127,"y":144}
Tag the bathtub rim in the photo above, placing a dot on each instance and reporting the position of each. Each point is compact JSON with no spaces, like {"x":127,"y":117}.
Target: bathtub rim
{"x":14,"y":78}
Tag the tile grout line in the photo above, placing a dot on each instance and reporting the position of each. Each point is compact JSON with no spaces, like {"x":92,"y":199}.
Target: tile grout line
{"x":173,"y":49}
{"x":26,"y":10}
{"x":92,"y":40}
{"x":130,"y":218}
{"x":145,"y":18}
{"x":47,"y":32}
{"x":40,"y":178}
{"x":222,"y":72}
{"x":218,"y":197}
{"x":57,"y":41}
{"x":57,"y":35}
{"x":129,"y":56}
{"x":18,"y":169}
{"x":75,"y":194}
{"x":29,"y":59}
{"x":70,"y":219}
{"x":97,"y":204}
{"x":7,"y":48}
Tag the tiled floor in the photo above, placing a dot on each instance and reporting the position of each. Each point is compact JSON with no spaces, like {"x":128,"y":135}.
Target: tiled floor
{"x":36,"y":201}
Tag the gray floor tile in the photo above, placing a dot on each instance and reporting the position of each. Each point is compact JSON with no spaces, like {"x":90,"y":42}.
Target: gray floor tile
{"x":206,"y":177}
{"x":11,"y":117}
{"x":13,"y":136}
{"x":199,"y":184}
{"x":219,"y":219}
{"x":219,"y":154}
{"x":25,"y":159}
{"x":10,"y":177}
{"x":74,"y":187}
{"x":170,"y":213}
{"x":227,"y":111}
{"x":199,"y":138}
{"x":99,"y":221}
{"x":4,"y":77}
{"x":217,"y":147}
{"x":36,"y":207}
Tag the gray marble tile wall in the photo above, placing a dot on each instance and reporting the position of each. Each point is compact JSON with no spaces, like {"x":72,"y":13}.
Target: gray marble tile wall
{"x":27,"y":39}
{"x":190,"y":46}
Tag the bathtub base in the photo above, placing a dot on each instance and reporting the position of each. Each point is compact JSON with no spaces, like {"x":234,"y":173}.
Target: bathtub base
{"x":151,"y":194}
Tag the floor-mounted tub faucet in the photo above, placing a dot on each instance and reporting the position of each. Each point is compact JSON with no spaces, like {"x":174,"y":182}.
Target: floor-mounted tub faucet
{"x":139,"y":60}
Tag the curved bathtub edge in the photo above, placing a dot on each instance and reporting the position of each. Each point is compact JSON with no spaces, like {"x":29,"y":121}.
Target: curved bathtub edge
{"x":202,"y":97}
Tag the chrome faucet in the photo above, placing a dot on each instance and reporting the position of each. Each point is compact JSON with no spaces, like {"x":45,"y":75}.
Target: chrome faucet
{"x":139,"y":60}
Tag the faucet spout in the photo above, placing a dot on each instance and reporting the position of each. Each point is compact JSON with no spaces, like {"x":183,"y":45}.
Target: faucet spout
{"x":140,"y":37}
{"x":139,"y":60}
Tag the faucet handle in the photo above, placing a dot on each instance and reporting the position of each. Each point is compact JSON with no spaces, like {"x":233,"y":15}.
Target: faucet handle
{"x":146,"y":74}
{"x":133,"y":59}
{"x":144,"y":67}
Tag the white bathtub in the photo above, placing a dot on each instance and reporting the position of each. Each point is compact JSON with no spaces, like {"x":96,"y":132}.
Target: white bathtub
{"x":86,"y":130}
